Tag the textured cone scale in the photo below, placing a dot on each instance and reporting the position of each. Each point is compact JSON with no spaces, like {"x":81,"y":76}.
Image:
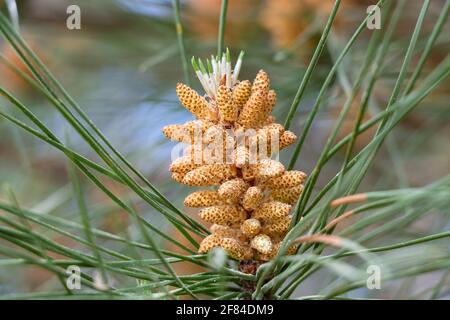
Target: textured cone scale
{"x":288,"y":195}
{"x":209,"y":242}
{"x":286,"y":139}
{"x":178,"y":177}
{"x":270,"y":104}
{"x":248,"y":172}
{"x":271,"y":210}
{"x":194,"y":103}
{"x":241,"y":93}
{"x":207,"y":175}
{"x":274,"y":127}
{"x":251,"y":227}
{"x":262,"y":243}
{"x":252,"y":198}
{"x":222,"y":214}
{"x":234,"y":248}
{"x":261,"y":82}
{"x":229,"y":232}
{"x":271,"y":101}
{"x":268,"y":168}
{"x":229,"y":147}
{"x":199,"y":126}
{"x":176,"y":132}
{"x":249,"y":116}
{"x":227,"y":109}
{"x":277,"y":227}
{"x":276,"y":247}
{"x":202,"y":198}
{"x":183,"y":165}
{"x":232,"y":190}
{"x":288,"y":180}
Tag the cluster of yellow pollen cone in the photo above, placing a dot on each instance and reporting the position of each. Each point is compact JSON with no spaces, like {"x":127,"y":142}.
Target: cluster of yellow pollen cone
{"x":248,"y":203}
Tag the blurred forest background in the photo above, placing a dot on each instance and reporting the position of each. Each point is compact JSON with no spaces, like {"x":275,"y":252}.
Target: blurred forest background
{"x":122,"y":68}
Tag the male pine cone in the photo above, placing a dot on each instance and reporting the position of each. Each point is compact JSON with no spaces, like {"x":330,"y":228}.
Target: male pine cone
{"x":252,"y":195}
